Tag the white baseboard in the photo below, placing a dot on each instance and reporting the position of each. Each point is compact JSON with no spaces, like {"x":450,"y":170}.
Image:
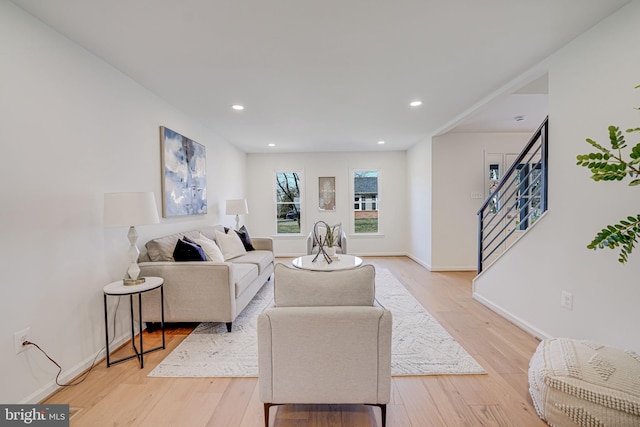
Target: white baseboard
{"x":442,"y":268}
{"x":455,"y":268}
{"x":419,"y":261}
{"x":68,"y":375}
{"x":526,"y":326}
{"x":380,"y":254}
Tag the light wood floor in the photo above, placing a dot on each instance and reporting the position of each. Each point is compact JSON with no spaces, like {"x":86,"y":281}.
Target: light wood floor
{"x":123,"y":395}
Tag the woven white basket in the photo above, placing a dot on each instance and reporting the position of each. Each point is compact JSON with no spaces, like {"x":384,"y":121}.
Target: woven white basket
{"x":580,"y":383}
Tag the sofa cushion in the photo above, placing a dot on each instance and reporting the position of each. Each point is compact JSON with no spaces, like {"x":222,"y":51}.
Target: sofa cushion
{"x":304,"y":288}
{"x":243,"y":276}
{"x":262,"y":259}
{"x":230,"y":244}
{"x":210,"y":231}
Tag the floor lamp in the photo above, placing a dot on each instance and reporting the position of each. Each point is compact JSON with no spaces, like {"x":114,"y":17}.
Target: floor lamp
{"x":237,"y":207}
{"x":129,"y":210}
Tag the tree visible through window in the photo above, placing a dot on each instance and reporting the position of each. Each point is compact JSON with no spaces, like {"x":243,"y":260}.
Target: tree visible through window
{"x":365,"y":201}
{"x":288,"y":211}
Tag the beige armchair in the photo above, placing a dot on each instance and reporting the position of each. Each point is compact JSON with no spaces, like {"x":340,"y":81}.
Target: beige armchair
{"x":341,"y":248}
{"x":325,"y":341}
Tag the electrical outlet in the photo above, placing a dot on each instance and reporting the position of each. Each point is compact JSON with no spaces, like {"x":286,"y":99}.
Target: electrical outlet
{"x":566,"y":300}
{"x":19,"y":338}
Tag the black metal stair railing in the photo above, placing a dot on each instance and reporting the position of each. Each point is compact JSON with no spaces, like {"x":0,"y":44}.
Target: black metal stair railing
{"x":517,"y":201}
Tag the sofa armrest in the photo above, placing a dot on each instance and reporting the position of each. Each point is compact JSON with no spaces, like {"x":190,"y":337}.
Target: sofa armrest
{"x":343,"y":242}
{"x":262,"y":243}
{"x":310,"y":243}
{"x":193,"y":291}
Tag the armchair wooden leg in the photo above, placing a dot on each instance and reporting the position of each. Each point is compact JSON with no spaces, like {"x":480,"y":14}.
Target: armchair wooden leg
{"x":229,"y":324}
{"x":383,"y":412}
{"x":268,"y":406}
{"x":266,"y":414}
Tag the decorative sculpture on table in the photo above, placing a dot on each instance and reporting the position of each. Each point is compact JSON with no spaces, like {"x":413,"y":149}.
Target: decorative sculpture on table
{"x":323,"y":241}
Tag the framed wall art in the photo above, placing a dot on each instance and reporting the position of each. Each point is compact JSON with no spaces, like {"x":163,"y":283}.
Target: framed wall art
{"x":327,"y":193}
{"x":184,"y":175}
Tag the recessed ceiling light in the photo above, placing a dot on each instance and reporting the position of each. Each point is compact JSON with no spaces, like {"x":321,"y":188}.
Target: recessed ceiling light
{"x":237,"y":107}
{"x":415,"y":103}
{"x":380,"y":142}
{"x":271,"y":144}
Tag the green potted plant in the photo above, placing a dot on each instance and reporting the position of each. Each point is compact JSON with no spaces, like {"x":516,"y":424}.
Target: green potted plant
{"x":615,"y":164}
{"x":330,"y":241}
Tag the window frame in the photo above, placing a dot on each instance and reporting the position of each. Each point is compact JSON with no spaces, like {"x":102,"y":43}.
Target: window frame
{"x":376,"y":202}
{"x":300,"y":201}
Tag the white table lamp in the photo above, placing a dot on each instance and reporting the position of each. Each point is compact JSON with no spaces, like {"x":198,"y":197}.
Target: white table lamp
{"x":129,"y":210}
{"x":237,"y":207}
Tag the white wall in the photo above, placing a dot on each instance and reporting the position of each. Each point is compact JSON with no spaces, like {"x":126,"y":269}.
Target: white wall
{"x":261,"y":169}
{"x":419,"y":184}
{"x":458,"y":171}
{"x":442,"y":173}
{"x":73,"y":128}
{"x":591,"y":85}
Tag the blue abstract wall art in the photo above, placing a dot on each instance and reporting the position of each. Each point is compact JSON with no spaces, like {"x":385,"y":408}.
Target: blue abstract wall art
{"x":184,"y":175}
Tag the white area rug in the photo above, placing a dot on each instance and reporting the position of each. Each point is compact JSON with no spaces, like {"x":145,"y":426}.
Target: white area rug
{"x":420,"y":345}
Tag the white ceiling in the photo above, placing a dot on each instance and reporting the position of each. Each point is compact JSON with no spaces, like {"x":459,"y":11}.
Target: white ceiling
{"x":332,"y":75}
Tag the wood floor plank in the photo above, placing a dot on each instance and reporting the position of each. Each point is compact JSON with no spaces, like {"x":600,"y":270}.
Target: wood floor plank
{"x":491,"y":415}
{"x":124,"y":395}
{"x":397,"y":416}
{"x":191,"y":406}
{"x":254,"y":416}
{"x":131,"y":402}
{"x":421,"y":408}
{"x":237,"y":395}
{"x":451,"y":407}
{"x":291,"y":415}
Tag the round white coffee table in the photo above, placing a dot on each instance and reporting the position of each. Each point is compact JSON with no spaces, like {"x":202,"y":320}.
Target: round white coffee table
{"x":339,"y":262}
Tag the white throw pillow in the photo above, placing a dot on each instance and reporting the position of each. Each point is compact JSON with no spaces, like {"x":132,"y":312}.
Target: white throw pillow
{"x":230,"y":244}
{"x":211,"y":250}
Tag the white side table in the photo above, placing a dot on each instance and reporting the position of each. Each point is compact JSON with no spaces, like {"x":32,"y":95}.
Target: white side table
{"x":119,"y":289}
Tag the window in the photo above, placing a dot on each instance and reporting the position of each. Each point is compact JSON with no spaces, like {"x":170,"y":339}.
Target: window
{"x":288,"y":206}
{"x":365,"y":201}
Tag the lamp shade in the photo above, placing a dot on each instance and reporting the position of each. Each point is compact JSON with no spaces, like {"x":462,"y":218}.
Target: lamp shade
{"x":130,"y":209}
{"x":237,"y":207}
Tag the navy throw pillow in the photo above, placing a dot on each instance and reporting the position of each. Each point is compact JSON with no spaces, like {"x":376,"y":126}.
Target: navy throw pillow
{"x":188,"y":251}
{"x":246,"y":239}
{"x":243,"y":233}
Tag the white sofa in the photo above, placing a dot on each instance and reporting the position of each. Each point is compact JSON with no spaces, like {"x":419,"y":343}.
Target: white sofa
{"x":203,"y":291}
{"x":325,"y":341}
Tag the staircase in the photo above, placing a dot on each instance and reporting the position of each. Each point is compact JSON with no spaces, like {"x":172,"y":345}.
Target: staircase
{"x":516,"y":202}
